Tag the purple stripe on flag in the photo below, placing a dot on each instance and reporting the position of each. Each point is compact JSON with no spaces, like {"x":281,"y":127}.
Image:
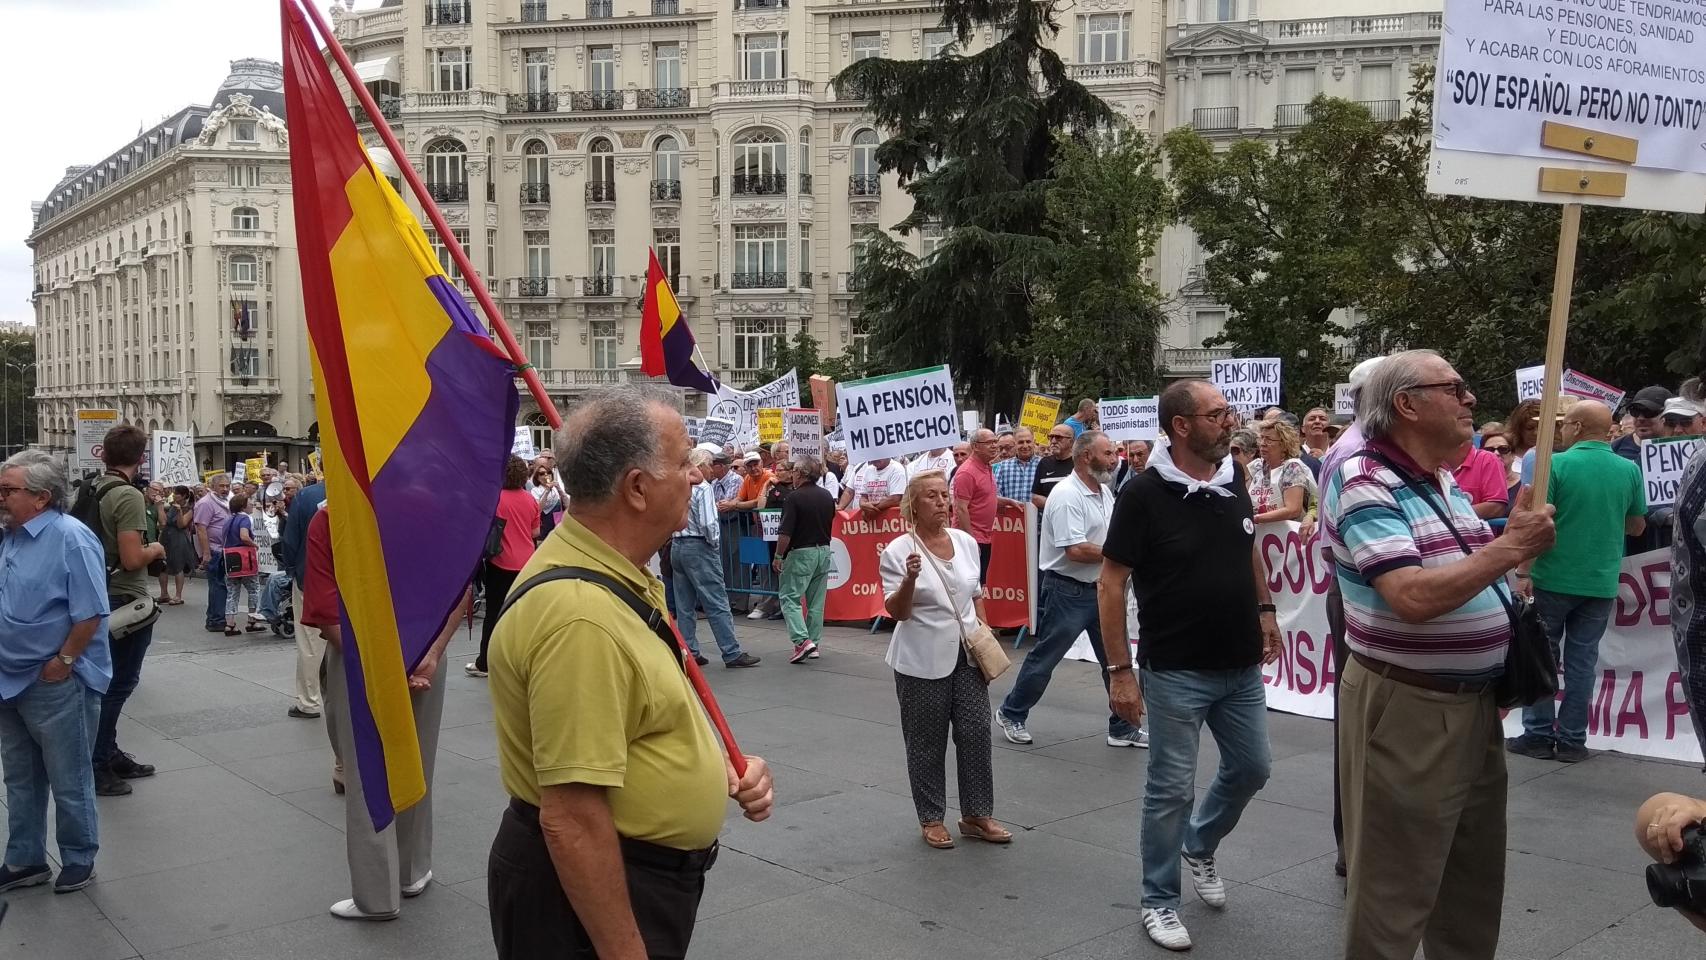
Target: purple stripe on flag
{"x":369,"y":752}
{"x":451,"y":300}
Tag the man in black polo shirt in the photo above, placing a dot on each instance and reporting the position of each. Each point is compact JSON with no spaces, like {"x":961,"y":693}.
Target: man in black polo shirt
{"x":802,"y":557}
{"x":1183,"y":533}
{"x":1055,"y":467}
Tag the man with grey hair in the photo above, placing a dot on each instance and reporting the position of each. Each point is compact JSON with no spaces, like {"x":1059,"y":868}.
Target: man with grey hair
{"x":616,"y":781}
{"x":211,"y":517}
{"x":802,"y":558}
{"x":1422,"y":746}
{"x":54,"y":668}
{"x":696,"y":566}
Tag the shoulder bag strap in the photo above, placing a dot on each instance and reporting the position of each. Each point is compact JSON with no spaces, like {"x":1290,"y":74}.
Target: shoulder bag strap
{"x":657,"y":622}
{"x":1426,"y":493}
{"x":947,"y":585}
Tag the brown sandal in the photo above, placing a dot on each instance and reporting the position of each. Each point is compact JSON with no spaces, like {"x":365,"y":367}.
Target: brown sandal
{"x":937,"y":835}
{"x":988,"y":830}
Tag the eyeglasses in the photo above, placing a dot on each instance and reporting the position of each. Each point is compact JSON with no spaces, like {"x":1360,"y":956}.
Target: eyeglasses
{"x":979,"y":443}
{"x":1220,"y":414}
{"x":8,"y":491}
{"x":1458,"y":388}
{"x":1498,"y":449}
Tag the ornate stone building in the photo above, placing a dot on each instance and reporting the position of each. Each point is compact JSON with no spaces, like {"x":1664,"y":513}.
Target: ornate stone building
{"x":166,"y":283}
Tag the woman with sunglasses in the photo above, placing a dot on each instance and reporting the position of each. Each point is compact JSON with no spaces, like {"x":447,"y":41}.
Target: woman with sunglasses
{"x":1498,"y":444}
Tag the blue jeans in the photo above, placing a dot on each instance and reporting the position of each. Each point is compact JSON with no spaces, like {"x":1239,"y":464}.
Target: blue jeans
{"x":1068,"y":609}
{"x":1179,"y":702}
{"x":216,"y":590}
{"x":1574,"y":625}
{"x":698,"y":578}
{"x":274,"y":588}
{"x":46,"y":736}
{"x":127,"y":672}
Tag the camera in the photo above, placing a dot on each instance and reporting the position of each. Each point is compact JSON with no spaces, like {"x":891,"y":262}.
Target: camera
{"x":1682,"y":883}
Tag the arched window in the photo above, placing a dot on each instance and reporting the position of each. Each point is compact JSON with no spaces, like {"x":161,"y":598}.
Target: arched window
{"x":666,"y":163}
{"x":805,"y":159}
{"x":535,"y":164}
{"x":761,"y":162}
{"x":865,"y":152}
{"x":245,"y":221}
{"x":601,"y":177}
{"x":447,"y":170}
{"x":540,"y":428}
{"x":148,"y":234}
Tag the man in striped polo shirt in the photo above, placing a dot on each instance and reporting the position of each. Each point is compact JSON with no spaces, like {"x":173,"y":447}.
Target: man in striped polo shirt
{"x":1420,"y":743}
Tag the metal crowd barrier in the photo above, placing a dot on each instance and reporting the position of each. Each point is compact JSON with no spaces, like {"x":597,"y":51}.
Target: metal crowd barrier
{"x":746,"y":560}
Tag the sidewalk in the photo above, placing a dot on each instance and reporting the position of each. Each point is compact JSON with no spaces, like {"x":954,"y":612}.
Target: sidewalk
{"x":234,"y":850}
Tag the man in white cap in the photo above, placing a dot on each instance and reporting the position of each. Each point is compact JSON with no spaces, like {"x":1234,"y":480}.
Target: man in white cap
{"x":1682,"y":417}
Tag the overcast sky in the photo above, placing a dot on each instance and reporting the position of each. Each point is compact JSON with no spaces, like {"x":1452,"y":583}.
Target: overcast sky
{"x":86,"y":75}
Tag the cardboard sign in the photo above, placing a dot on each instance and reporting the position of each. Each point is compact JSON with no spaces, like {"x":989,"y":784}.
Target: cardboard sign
{"x":92,"y":427}
{"x":1530,"y":383}
{"x":1581,"y":385}
{"x":1039,"y":413}
{"x":252,"y":468}
{"x":522,"y":445}
{"x":970,"y":421}
{"x":900,"y":414}
{"x":771,"y":522}
{"x":314,"y":461}
{"x":769,"y":425}
{"x":1130,"y":418}
{"x":1248,"y":383}
{"x":802,"y":427}
{"x":741,"y":406}
{"x":716,"y":431}
{"x":1343,"y":405}
{"x":694,"y":425}
{"x":171,"y":458}
{"x":823,"y":398}
{"x":1662,"y":463}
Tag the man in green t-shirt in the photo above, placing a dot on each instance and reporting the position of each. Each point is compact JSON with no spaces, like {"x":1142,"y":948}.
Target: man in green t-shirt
{"x":1600,"y":499}
{"x":124,"y":523}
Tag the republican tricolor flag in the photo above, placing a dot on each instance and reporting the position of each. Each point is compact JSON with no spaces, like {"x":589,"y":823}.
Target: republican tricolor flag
{"x":666,"y":341}
{"x":416,"y":410}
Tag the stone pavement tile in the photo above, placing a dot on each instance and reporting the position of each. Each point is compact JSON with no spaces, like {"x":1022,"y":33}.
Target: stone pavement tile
{"x":1313,"y":880}
{"x":836,"y":837}
{"x":1301,"y":780}
{"x":262,"y":666}
{"x":177,"y":791}
{"x":1270,"y":837}
{"x":266,"y":739}
{"x":843,"y":747}
{"x":288,"y":772}
{"x":438,"y":925}
{"x":1092,"y":750}
{"x":838,"y":694}
{"x":793,"y":785}
{"x":184,"y":834}
{"x":834,"y":923}
{"x":1551,"y":905}
{"x":740,"y":880}
{"x":461,"y":844}
{"x":42,"y":925}
{"x":236,"y":894}
{"x":1256,"y":923}
{"x":473,"y":890}
{"x":320,"y":802}
{"x":464,"y":706}
{"x":475,"y":741}
{"x":461,"y":785}
{"x":185,"y":683}
{"x":1652,"y":933}
{"x":1031,"y":789}
{"x":1002,"y":892}
{"x":1586,"y":815}
{"x":149,"y":746}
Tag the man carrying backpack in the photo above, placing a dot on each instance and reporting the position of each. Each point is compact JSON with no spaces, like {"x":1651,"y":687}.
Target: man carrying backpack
{"x":115,"y":509}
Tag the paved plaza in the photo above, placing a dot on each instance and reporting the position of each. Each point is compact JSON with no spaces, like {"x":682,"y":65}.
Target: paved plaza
{"x":234,"y":850}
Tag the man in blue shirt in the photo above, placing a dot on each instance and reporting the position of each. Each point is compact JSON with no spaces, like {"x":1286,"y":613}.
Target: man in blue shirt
{"x":1014,"y":476}
{"x":695,"y":558}
{"x":54,"y":667}
{"x":1084,"y":419}
{"x":310,"y":646}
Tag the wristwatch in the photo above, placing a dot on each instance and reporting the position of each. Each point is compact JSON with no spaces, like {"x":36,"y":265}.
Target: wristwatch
{"x":68,"y":661}
{"x":1266,"y":608}
{"x":1117,"y":667}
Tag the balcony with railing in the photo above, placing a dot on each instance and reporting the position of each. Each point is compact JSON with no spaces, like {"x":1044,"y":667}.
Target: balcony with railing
{"x":761,"y":4}
{"x":805,"y":282}
{"x":162,"y":248}
{"x":1288,"y":115}
{"x":130,"y":258}
{"x":451,"y":100}
{"x":1214,"y":118}
{"x":560,"y":378}
{"x":531,"y":288}
{"x":448,"y":192}
{"x":665,"y":8}
{"x":599,"y":9}
{"x":391,"y":108}
{"x":598,"y":286}
{"x":532,"y":103}
{"x":601,"y":191}
{"x":805,"y":184}
{"x":1383,"y":111}
{"x":1329,"y":29}
{"x":864,"y":185}
{"x":534,"y":11}
{"x":664,"y":98}
{"x":771,"y":280}
{"x":597,"y":100}
{"x":1192,"y":361}
{"x":759,"y":184}
{"x":440,"y":13}
{"x":666,"y":191}
{"x":535,"y":193}
{"x":1115,"y":71}
{"x":370,"y":23}
{"x":241,"y":237}
{"x":848,"y":282}
{"x":783,"y":89}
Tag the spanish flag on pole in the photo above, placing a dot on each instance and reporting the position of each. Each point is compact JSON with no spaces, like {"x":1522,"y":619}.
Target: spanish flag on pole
{"x":416,"y":410}
{"x":666,"y":341}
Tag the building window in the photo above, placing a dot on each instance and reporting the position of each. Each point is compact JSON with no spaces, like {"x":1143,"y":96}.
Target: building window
{"x":1374,"y":82}
{"x":1205,"y":324}
{"x":243,"y":271}
{"x":1217,"y":11}
{"x":539,"y":344}
{"x":865,"y":153}
{"x":245,"y":318}
{"x":601,"y":175}
{"x":538,"y":247}
{"x":243,"y":131}
{"x":1102,"y":38}
{"x":763,"y":56}
{"x":601,"y":76}
{"x":602,"y":335}
{"x":666,"y":66}
{"x":535,"y":163}
{"x":244,"y":174}
{"x":445,"y":261}
{"x":450,"y":68}
{"x":805,"y":256}
{"x":666,"y":161}
{"x":447,"y":170}
{"x":667,"y":245}
{"x":935,"y":42}
{"x":603,"y":247}
{"x":761,"y":162}
{"x":246,"y":362}
{"x":867,"y":46}
{"x":761,"y":256}
{"x":754,"y":341}
{"x":245,"y":221}
{"x":862,"y":237}
{"x":805,"y":160}
{"x":929,"y":237}
{"x":540,"y":428}
{"x":538,"y":70}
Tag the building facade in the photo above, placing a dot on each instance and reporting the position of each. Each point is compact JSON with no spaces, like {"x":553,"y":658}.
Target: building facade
{"x":1238,"y":69}
{"x":166,"y":283}
{"x":561,"y":138}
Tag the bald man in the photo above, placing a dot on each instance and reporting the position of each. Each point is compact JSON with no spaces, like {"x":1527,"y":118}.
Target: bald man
{"x":1600,"y":499}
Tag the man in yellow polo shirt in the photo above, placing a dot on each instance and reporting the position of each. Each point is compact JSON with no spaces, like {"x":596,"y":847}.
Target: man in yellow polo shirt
{"x":616,"y":780}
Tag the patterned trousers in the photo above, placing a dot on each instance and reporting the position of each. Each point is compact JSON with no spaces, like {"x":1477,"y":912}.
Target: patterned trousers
{"x":928,"y":708}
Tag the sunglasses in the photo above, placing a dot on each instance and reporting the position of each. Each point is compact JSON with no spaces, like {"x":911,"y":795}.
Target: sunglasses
{"x":1457,"y":388}
{"x":1502,"y":448}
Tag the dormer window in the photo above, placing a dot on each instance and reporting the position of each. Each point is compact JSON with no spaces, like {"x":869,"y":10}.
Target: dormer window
{"x":243,"y":131}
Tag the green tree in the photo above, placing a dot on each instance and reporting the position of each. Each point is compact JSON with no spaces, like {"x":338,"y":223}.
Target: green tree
{"x":973,"y":140}
{"x":1097,"y":328}
{"x":17,"y":391}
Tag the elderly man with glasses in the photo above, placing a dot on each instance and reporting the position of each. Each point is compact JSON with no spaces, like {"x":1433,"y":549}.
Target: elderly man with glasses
{"x":54,"y":668}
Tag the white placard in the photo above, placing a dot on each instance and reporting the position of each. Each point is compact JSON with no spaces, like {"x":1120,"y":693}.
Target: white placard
{"x":1635,"y":68}
{"x":171,"y":459}
{"x":1662,"y":463}
{"x":1247,"y":383}
{"x":802,"y":428}
{"x":970,"y":421}
{"x":898,"y":414}
{"x":741,"y":406}
{"x":717,"y":431}
{"x":1465,"y":174}
{"x":92,"y":427}
{"x":1581,"y":385}
{"x":1343,"y":404}
{"x":1130,"y":418}
{"x":1530,"y":383}
{"x":522,"y":445}
{"x":771,"y":522}
{"x":694,"y":425}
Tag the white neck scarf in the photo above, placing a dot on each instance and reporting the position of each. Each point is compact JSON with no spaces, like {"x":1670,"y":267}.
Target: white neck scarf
{"x":1162,"y":461}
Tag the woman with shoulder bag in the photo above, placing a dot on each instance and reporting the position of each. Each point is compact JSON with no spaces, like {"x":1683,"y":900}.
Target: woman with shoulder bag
{"x":930,"y":589}
{"x":515,"y":539}
{"x":242,"y":567}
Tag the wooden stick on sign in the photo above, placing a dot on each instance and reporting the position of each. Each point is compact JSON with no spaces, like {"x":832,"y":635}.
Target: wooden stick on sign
{"x":1562,"y":280}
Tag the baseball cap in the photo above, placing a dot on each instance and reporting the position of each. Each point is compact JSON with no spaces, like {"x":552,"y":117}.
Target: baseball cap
{"x":1650,"y":401}
{"x":1680,"y":407}
{"x":752,"y":457}
{"x":1362,"y":371}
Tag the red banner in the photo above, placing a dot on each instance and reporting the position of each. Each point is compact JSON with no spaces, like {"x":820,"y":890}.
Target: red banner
{"x":1012,"y":568}
{"x":856,"y":583}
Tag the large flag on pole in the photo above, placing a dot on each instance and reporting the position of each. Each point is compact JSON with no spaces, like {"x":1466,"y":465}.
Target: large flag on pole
{"x":416,"y":410}
{"x":666,"y":340}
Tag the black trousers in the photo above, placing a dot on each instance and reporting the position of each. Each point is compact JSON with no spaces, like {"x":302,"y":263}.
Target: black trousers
{"x":497,"y":582}
{"x":532,"y":918}
{"x":1341,"y":653}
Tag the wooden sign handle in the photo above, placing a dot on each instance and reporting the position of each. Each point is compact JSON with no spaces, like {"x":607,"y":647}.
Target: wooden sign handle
{"x":1569,"y":227}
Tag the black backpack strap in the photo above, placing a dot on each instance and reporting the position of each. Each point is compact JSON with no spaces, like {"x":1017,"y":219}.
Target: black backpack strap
{"x":657,"y":622}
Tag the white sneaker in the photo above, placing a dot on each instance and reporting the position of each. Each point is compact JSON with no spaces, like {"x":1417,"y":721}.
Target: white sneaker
{"x":1164,"y":928}
{"x":419,"y":886}
{"x":473,"y":671}
{"x":1206,"y":881}
{"x":347,"y":910}
{"x":813,"y":654}
{"x":1015,"y":731}
{"x":756,"y":613}
{"x":1141,"y":740}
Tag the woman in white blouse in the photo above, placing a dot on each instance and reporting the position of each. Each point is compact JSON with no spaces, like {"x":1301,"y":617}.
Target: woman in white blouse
{"x":930,"y":589}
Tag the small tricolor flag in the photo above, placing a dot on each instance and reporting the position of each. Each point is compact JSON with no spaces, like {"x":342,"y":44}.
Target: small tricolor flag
{"x":666,"y":340}
{"x":416,"y":410}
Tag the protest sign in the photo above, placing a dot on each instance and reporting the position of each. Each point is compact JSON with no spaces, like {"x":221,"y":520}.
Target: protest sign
{"x":1581,"y":385}
{"x":314,"y":461}
{"x":92,"y":427}
{"x":522,"y":445}
{"x":970,"y":421}
{"x":770,"y":522}
{"x":694,"y":425}
{"x":171,"y":458}
{"x":1530,"y":383}
{"x":1039,"y":413}
{"x":1130,"y":418}
{"x":252,"y":469}
{"x":1662,"y":463}
{"x":823,"y":398}
{"x":769,"y":424}
{"x":1247,"y":383}
{"x":899,"y":414}
{"x":802,"y":427}
{"x":1343,"y":405}
{"x":716,"y":431}
{"x":741,"y":407}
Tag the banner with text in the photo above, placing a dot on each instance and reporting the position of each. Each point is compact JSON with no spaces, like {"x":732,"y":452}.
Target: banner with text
{"x":1662,"y":463}
{"x":1581,"y":385}
{"x":1343,"y":404}
{"x":716,"y":431}
{"x":741,"y":407}
{"x":802,"y":427}
{"x":92,"y":427}
{"x":769,"y":424}
{"x":171,"y":459}
{"x":1249,"y":383}
{"x":1530,"y":383}
{"x":1039,"y":413}
{"x":522,"y":444}
{"x":1130,"y":418}
{"x":899,"y":414}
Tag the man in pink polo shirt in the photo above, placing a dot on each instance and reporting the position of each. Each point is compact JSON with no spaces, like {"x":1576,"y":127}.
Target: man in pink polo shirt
{"x":975,"y":496}
{"x":1482,"y":476}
